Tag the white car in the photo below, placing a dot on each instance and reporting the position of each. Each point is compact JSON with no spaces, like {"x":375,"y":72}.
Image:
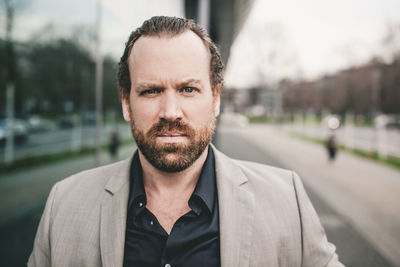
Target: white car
{"x":20,"y":130}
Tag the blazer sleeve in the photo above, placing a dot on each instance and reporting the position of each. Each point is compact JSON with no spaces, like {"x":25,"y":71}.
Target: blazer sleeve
{"x":316,"y":250}
{"x":41,"y":253}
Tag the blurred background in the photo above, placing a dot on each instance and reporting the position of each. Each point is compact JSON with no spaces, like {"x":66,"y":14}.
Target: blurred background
{"x":313,"y":86}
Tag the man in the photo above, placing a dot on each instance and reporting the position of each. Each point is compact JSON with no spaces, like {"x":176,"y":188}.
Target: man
{"x":178,"y":201}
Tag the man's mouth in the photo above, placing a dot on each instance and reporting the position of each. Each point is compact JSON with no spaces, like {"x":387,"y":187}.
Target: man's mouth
{"x":171,"y":134}
{"x":171,"y":137}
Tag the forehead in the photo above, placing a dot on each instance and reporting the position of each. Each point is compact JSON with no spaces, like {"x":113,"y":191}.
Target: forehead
{"x":176,"y":56}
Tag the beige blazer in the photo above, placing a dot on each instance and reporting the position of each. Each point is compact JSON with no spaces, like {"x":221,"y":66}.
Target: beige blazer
{"x":266,"y":219}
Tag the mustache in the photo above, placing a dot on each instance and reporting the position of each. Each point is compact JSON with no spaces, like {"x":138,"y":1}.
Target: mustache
{"x":164,"y":126}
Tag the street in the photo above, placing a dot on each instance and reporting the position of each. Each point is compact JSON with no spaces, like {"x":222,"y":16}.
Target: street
{"x":356,"y":200}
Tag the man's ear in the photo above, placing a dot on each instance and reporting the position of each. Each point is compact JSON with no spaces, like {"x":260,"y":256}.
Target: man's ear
{"x":217,"y":103}
{"x":125,"y":109}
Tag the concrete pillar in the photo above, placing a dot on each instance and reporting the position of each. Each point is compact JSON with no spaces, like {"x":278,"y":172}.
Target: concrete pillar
{"x":9,"y":149}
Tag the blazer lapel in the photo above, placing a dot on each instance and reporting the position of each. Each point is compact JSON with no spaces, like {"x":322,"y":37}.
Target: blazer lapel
{"x":236,"y":209}
{"x":113,"y":217}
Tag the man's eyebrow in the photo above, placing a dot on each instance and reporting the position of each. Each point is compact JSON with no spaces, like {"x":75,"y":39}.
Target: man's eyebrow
{"x":191,"y":81}
{"x":149,"y":85}
{"x":144,"y":86}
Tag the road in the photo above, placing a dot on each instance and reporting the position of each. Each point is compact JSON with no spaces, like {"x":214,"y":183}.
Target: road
{"x":359,"y":212}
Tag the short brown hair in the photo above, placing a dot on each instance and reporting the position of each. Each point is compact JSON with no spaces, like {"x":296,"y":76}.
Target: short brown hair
{"x":156,"y":26}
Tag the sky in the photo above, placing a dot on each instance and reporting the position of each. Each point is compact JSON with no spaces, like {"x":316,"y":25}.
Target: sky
{"x":119,"y":18}
{"x":281,"y":39}
{"x":308,"y":38}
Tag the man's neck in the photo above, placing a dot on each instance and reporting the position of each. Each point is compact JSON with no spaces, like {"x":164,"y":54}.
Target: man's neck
{"x":160,"y":182}
{"x":168,"y":193}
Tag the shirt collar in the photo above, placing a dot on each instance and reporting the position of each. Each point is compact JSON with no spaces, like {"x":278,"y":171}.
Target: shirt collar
{"x":206,"y":185}
{"x":205,"y":188}
{"x":137,"y":192}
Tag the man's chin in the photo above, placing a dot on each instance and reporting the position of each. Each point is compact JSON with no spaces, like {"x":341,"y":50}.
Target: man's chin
{"x":171,"y":157}
{"x":172,"y":162}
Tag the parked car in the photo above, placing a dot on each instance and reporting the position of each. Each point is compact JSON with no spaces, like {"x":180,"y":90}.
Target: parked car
{"x":387,"y":121}
{"x":393,"y":125}
{"x":20,"y":130}
{"x":89,"y":118}
{"x":67,"y":122}
{"x":38,"y":124}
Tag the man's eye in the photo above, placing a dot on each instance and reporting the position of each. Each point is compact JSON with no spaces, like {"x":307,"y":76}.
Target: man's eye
{"x":188,"y":90}
{"x":150,"y":92}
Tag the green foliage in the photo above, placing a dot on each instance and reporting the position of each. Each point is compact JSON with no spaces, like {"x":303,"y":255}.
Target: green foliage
{"x":259,"y":119}
{"x":61,"y":71}
{"x":53,"y":72}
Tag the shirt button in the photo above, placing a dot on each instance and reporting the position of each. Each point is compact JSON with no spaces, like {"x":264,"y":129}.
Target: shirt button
{"x":151,"y":223}
{"x":140,"y":204}
{"x":167,"y":265}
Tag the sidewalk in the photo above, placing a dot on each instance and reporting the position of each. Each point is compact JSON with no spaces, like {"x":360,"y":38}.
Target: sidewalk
{"x":22,"y":190}
{"x":364,"y":192}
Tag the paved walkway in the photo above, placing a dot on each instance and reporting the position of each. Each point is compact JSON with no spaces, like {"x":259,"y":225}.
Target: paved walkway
{"x":364,"y":192}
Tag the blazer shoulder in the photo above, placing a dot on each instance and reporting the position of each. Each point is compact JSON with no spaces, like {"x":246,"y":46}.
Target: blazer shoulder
{"x":256,"y":176}
{"x":262,"y":173}
{"x":94,"y":179}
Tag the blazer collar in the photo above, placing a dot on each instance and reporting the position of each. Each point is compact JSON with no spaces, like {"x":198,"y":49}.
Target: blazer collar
{"x":236,"y":212}
{"x":121,"y":176}
{"x":113,"y":216}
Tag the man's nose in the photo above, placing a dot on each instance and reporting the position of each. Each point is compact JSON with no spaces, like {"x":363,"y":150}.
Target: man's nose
{"x":170,"y":108}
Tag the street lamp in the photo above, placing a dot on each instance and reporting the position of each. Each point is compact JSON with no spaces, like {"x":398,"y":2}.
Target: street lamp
{"x":99,"y":83}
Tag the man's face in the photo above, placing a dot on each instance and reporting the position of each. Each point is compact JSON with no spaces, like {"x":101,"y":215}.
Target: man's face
{"x":171,"y":107}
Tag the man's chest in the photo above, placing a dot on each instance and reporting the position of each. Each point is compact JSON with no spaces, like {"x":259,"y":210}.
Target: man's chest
{"x":166,"y":214}
{"x":193,"y":238}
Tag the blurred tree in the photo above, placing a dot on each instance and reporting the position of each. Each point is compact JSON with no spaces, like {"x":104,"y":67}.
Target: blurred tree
{"x":363,"y":90}
{"x":366,"y":89}
{"x":9,"y":69}
{"x":9,"y":7}
{"x":62,"y":74}
{"x":390,"y":74}
{"x":390,"y":88}
{"x":3,"y":75}
{"x":391,"y":41}
{"x":10,"y":50}
{"x":110,"y":92}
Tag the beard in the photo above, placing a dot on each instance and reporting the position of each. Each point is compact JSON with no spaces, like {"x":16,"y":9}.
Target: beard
{"x":173,"y":157}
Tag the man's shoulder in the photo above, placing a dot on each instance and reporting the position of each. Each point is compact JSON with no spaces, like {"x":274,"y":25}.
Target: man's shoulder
{"x":95,"y":178}
{"x":256,"y":168}
{"x":259,"y":175}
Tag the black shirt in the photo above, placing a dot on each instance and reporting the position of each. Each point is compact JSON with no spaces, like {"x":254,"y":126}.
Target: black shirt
{"x":194,"y":238}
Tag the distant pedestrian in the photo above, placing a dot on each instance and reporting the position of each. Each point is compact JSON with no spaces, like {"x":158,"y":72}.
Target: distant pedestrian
{"x":114,"y":145}
{"x":331,"y":146}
